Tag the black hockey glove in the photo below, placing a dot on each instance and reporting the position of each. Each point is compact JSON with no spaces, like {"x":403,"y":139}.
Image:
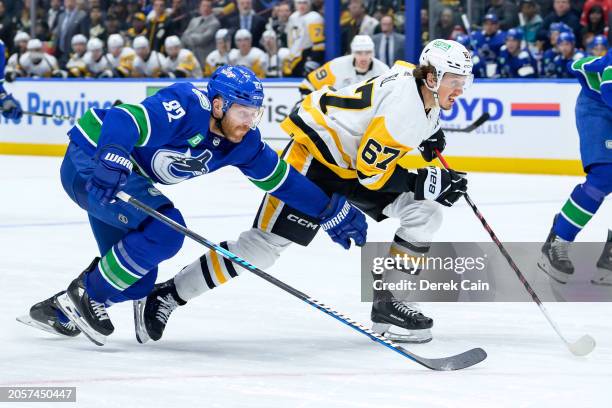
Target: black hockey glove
{"x":435,"y":141}
{"x":441,"y":185}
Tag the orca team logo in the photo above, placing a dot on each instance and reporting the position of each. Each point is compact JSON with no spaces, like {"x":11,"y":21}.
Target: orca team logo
{"x":172,"y":167}
{"x":204,"y":102}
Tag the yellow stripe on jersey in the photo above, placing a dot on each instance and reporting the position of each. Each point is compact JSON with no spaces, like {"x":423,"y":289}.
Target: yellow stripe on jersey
{"x":258,"y":69}
{"x":296,"y":157}
{"x":404,"y":64}
{"x":378,"y":155}
{"x":270,"y":207}
{"x":214,"y":259}
{"x":316,"y":33}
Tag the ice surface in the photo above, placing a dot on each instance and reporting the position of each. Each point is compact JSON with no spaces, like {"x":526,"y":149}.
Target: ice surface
{"x":248,"y":344}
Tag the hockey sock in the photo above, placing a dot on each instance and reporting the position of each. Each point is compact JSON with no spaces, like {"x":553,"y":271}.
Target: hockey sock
{"x":578,"y":210}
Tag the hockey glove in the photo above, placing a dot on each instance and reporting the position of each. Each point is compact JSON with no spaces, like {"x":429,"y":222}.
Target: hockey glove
{"x":342,"y":222}
{"x":441,"y":185}
{"x":11,"y":109}
{"x":110,"y":175}
{"x":428,"y":146}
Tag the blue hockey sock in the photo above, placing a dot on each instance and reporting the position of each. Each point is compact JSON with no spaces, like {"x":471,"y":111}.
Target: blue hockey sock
{"x":578,"y":210}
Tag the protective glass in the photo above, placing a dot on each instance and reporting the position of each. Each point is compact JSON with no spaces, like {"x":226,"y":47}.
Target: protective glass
{"x":456,"y":81}
{"x":248,"y":115}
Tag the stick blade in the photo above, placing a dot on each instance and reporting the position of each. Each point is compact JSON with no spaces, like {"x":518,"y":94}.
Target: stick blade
{"x":452,"y":363}
{"x":582,"y":346}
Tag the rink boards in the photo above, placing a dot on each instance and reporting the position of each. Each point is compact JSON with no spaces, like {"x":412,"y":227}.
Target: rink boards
{"x":531,"y":129}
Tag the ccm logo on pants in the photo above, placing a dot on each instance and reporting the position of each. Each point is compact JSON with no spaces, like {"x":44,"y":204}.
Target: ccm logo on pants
{"x":302,"y":222}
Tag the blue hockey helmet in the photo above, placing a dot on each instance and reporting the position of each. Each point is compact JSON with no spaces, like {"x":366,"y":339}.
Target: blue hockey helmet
{"x":599,"y":40}
{"x":514,"y":34}
{"x":463,"y":39}
{"x":559,"y":28}
{"x":566,"y":37}
{"x":491,"y":17}
{"x":236,"y":84}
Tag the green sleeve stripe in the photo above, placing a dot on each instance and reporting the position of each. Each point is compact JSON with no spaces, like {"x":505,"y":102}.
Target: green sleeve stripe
{"x":141,"y":118}
{"x":90,"y":125}
{"x":276,"y":179}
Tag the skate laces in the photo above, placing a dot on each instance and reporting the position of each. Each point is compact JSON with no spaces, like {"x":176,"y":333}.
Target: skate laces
{"x":99,"y":310}
{"x":404,"y":308}
{"x":167,"y":305}
{"x":560,"y":250}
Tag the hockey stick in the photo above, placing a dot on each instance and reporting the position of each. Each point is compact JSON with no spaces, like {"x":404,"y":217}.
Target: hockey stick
{"x":482,"y":119}
{"x":456,"y":362}
{"x":581,"y":347}
{"x":59,"y":117}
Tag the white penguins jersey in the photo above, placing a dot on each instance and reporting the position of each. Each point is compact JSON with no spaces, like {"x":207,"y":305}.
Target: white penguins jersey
{"x":46,"y":66}
{"x":76,"y":65}
{"x":363,"y":130}
{"x":215,"y":60}
{"x":274,"y":63}
{"x":97,"y":67}
{"x":12,"y":65}
{"x":124,"y":63}
{"x":304,"y":32}
{"x":255,"y":60}
{"x":340,"y":72}
{"x":151,"y":68}
{"x":186,"y":62}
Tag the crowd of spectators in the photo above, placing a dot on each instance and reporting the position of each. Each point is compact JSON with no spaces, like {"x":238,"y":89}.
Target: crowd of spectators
{"x":190,"y":38}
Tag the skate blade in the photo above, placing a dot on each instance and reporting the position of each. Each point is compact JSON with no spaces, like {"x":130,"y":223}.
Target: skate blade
{"x":28,"y":321}
{"x":554,"y":274}
{"x":408,"y":336}
{"x":67,"y":306}
{"x":602,"y":278}
{"x":141,"y":331}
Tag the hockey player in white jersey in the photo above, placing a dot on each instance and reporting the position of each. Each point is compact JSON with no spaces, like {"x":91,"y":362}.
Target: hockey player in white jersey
{"x":220,"y":56}
{"x":180,"y":62}
{"x":348,"y":69}
{"x":36,"y":63}
{"x":120,"y":56}
{"x":247,"y":55}
{"x":305,"y":39}
{"x":148,"y":63}
{"x":275,"y":56}
{"x":350,"y":140}
{"x":12,"y":69}
{"x":76,"y":66}
{"x":97,"y":63}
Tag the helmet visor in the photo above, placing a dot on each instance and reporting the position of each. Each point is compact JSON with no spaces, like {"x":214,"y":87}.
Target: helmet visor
{"x":242,"y":114}
{"x":456,"y":81}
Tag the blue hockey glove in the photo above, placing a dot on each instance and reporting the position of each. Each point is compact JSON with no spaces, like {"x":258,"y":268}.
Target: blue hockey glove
{"x":111,"y":173}
{"x":342,"y":222}
{"x":11,"y":109}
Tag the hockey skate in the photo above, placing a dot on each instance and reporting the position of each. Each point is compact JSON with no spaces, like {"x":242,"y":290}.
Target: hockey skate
{"x":46,"y":316}
{"x":555,"y":261}
{"x":151,"y":314}
{"x":87,"y":314}
{"x":399,"y":321}
{"x":603,"y":276}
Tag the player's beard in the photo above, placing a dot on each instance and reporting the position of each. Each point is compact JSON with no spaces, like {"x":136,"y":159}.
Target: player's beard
{"x":234,"y":135}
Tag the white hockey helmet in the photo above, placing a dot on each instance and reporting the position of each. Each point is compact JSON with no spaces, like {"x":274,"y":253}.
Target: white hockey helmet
{"x":140,"y":42}
{"x":447,"y":56}
{"x":78,"y":39}
{"x":243,"y":34}
{"x":222,"y":34}
{"x":94,"y":44}
{"x":21,"y":36}
{"x":362,"y":43}
{"x":269,"y":34}
{"x":172,"y":41}
{"x":115,"y":41}
{"x":34,"y":45}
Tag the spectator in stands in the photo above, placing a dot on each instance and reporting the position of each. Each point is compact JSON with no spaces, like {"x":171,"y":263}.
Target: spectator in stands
{"x":97,"y":25}
{"x":220,"y":56}
{"x":53,"y":13}
{"x":424,"y":27}
{"x":445,"y":25}
{"x":159,"y":25}
{"x":179,"y":16}
{"x":388,"y":45}
{"x":280,"y":17}
{"x":506,"y":11}
{"x":223,"y":9}
{"x":246,"y":19}
{"x":7,"y":28}
{"x":360,"y":23}
{"x":531,"y":21}
{"x":70,"y":22}
{"x":247,"y":55}
{"x":562,"y":13}
{"x":139,"y":27}
{"x":113,"y":25}
{"x":119,"y":9}
{"x":595,"y":24}
{"x":199,"y":36}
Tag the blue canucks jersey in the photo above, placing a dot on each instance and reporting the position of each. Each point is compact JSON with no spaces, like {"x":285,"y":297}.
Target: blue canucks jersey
{"x":2,"y":63}
{"x":595,"y":76}
{"x":169,"y":141}
{"x":548,"y":62}
{"x":562,"y":65}
{"x":480,"y":67}
{"x":522,"y":65}
{"x":488,"y":45}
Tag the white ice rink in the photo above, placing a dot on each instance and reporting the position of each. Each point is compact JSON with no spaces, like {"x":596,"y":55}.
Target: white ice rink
{"x":249,"y":344}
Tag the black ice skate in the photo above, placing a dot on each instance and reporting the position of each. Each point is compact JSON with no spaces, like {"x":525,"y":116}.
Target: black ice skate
{"x":555,"y":260}
{"x":151,"y":314}
{"x":408,"y":323}
{"x":87,"y":314}
{"x":604,"y":265}
{"x":45,"y":316}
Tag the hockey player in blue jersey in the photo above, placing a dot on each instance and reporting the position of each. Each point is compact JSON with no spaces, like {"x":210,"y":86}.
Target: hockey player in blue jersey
{"x":598,"y":46}
{"x":10,"y":107}
{"x":480,"y":68}
{"x":514,"y":61}
{"x":567,"y":54}
{"x":594,"y":124}
{"x":177,"y":134}
{"x":489,"y":41}
{"x":547,"y":65}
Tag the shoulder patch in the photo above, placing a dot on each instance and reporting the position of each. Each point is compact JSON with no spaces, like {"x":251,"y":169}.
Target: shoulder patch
{"x":524,"y":54}
{"x":204,"y":102}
